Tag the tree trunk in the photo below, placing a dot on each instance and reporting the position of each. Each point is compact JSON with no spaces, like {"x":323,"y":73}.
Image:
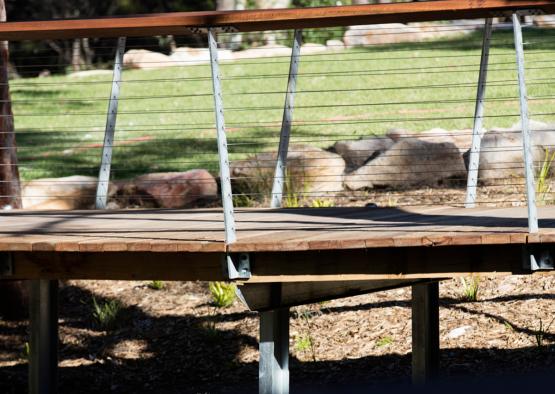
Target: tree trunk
{"x":13,"y":294}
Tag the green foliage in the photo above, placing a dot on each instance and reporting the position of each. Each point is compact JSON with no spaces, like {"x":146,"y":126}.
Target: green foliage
{"x":384,"y":341}
{"x":543,"y":185}
{"x":156,"y":285}
{"x":107,"y":315}
{"x":470,"y":288}
{"x":243,"y":201}
{"x":319,"y":36}
{"x":539,"y":334}
{"x":223,"y":294}
{"x":26,"y":351}
{"x":321,"y":203}
{"x":303,"y":343}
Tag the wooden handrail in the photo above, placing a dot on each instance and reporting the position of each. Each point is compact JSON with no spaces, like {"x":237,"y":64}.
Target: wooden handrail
{"x":272,"y":19}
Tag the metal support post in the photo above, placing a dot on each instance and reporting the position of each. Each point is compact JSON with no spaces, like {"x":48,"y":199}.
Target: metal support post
{"x":281,"y":163}
{"x":225,"y":177}
{"x":106,"y":161}
{"x":273,"y":371}
{"x":425,"y":332}
{"x":525,"y":126}
{"x":474,"y":160}
{"x":43,"y":361}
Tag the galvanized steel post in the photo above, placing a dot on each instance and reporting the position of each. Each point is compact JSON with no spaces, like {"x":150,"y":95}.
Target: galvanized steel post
{"x":474,"y":158}
{"x":281,"y":163}
{"x":225,"y":177}
{"x":106,"y":161}
{"x":43,"y":317}
{"x":525,"y":126}
{"x":273,"y":375}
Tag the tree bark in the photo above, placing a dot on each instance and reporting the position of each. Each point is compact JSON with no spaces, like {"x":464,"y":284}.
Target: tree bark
{"x":13,"y":294}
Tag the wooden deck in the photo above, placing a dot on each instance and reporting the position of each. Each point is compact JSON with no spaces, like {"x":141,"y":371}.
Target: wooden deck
{"x":285,"y":244}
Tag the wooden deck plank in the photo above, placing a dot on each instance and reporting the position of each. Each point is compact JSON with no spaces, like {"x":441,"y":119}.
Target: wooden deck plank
{"x":260,"y":230}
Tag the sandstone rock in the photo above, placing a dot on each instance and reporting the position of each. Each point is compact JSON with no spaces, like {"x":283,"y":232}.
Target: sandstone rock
{"x":309,"y":48}
{"x":185,"y":56}
{"x":143,"y":59}
{"x":357,"y":152}
{"x":72,"y":192}
{"x":409,"y":162}
{"x":177,"y":189}
{"x":309,"y":169}
{"x":335,"y":45}
{"x":90,"y":73}
{"x":271,"y":50}
{"x":392,"y":33}
{"x":501,"y":150}
{"x":544,"y":20}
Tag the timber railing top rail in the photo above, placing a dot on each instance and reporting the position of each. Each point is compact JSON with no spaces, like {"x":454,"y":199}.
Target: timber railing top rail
{"x":270,"y":19}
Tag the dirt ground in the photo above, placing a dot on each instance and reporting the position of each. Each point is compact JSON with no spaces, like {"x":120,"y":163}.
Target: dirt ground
{"x":175,"y":341}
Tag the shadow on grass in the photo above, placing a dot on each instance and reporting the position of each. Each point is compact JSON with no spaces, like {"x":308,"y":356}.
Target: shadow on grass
{"x":190,"y":354}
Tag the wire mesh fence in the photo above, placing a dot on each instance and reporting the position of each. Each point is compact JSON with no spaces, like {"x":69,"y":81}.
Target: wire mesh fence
{"x":383,"y":115}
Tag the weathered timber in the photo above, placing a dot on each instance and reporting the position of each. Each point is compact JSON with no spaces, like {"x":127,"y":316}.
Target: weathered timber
{"x":271,"y":19}
{"x":262,"y":296}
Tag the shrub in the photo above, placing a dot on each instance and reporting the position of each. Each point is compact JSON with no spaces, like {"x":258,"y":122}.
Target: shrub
{"x":223,"y":294}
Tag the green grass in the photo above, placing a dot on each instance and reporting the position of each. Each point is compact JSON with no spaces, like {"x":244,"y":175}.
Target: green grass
{"x":61,"y":138}
{"x":107,"y":315}
{"x":223,"y":294}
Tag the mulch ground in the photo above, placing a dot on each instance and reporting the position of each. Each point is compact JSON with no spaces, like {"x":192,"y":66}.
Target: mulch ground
{"x":175,"y":341}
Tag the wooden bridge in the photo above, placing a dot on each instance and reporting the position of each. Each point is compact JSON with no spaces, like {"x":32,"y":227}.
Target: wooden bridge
{"x":281,"y":257}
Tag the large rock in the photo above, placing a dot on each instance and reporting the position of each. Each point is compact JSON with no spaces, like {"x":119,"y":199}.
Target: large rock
{"x":270,"y":50}
{"x":309,"y":170}
{"x":357,"y":152}
{"x":392,"y":33}
{"x":176,"y":189}
{"x":409,"y":162}
{"x":143,"y":59}
{"x":72,"y":192}
{"x":185,"y":56}
{"x":501,"y":150}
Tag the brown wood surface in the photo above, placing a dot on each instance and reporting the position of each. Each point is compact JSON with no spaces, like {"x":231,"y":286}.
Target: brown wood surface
{"x":272,"y":19}
{"x":266,"y":230}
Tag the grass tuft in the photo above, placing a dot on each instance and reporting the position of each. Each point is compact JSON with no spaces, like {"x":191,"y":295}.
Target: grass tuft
{"x":223,"y":294}
{"x":107,"y":315}
{"x":156,"y":285}
{"x":470,"y":288}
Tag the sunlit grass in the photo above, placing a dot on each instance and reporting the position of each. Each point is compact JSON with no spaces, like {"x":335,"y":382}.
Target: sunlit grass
{"x":60,"y":120}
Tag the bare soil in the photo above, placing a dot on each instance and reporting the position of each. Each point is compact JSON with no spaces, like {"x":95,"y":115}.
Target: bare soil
{"x":174,"y":340}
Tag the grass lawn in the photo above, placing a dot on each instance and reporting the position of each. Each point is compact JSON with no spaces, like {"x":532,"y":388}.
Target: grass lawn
{"x":166,"y":121}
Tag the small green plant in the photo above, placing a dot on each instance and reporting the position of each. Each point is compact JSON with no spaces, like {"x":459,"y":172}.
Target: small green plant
{"x":223,"y":294}
{"x":26,"y":351}
{"x":543,"y":186}
{"x":470,"y":288}
{"x":303,"y":343}
{"x":107,"y":315}
{"x":540,"y":334}
{"x":385,"y":341}
{"x":156,"y":285}
{"x":321,"y":203}
{"x":243,"y":201}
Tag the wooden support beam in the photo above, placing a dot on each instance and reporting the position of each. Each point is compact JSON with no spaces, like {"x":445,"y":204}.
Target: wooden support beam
{"x":263,"y":296}
{"x":425,"y":332}
{"x":179,"y":23}
{"x":273,"y":375}
{"x":43,"y":360}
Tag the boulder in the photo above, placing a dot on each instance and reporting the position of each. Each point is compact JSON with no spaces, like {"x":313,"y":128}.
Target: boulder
{"x":185,"y":56}
{"x":72,"y":192}
{"x":271,"y":50}
{"x":501,"y":150}
{"x":544,"y":20}
{"x":175,"y":189}
{"x":357,"y":152}
{"x":309,"y":48}
{"x":392,"y":33}
{"x":335,"y":45}
{"x":143,"y":59}
{"x":309,"y":170}
{"x":409,"y":162}
{"x":90,"y":73}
